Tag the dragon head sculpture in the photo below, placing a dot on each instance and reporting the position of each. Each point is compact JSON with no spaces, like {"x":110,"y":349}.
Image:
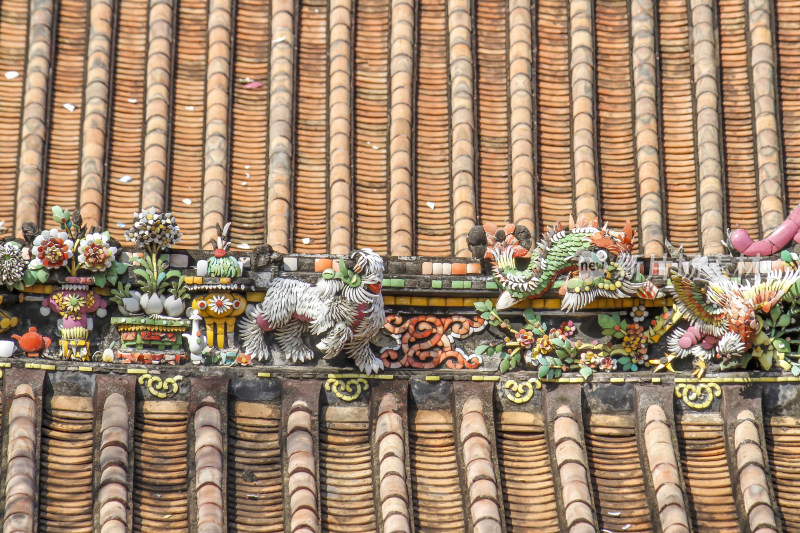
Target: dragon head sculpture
{"x":585,"y":261}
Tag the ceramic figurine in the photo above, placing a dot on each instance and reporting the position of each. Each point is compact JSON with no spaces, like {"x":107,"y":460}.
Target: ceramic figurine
{"x":592,"y":261}
{"x":196,"y":340}
{"x":721,"y":312}
{"x":345,"y":307}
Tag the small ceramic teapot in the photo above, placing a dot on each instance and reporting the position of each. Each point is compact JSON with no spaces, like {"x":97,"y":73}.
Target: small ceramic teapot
{"x":33,"y":342}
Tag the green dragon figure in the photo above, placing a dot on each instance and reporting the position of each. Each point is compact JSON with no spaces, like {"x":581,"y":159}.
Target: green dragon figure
{"x":591,"y":261}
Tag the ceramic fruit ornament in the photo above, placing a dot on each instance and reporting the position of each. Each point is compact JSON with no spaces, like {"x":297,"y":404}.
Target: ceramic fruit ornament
{"x":221,"y":264}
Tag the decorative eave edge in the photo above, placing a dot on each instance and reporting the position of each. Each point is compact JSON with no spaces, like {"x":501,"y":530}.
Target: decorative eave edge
{"x":576,"y":305}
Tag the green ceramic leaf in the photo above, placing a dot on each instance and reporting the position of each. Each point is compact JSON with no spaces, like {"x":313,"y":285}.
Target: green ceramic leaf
{"x":530,"y":315}
{"x":766,"y":360}
{"x":606,"y":322}
{"x":504,"y":365}
{"x":781,"y":345}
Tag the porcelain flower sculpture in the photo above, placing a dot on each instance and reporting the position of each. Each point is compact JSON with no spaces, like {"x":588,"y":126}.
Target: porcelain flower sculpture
{"x":95,"y":252}
{"x":53,"y":248}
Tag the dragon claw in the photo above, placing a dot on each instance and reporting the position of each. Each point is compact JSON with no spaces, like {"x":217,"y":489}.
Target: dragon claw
{"x":700,"y":368}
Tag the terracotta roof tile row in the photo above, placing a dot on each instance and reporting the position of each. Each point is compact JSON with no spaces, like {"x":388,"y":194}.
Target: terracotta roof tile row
{"x":476,"y":445}
{"x":21,"y":471}
{"x":208,"y":449}
{"x":583,"y":67}
{"x":224,"y":454}
{"x":255,"y":496}
{"x":618,"y":478}
{"x":345,"y":465}
{"x":706,"y":472}
{"x":65,"y":471}
{"x":435,"y":482}
{"x":772,"y":183}
{"x":401,"y":122}
{"x":281,"y":120}
{"x":553,"y":118}
{"x":740,"y":168}
{"x":705,"y":72}
{"x":301,"y":470}
{"x":646,"y":126}
{"x":521,"y":113}
{"x":161,"y":476}
{"x":123,"y":187}
{"x":390,"y":440}
{"x":60,"y":170}
{"x":433,"y":195}
{"x":375,"y":124}
{"x":371,"y":85}
{"x":157,"y":117}
{"x":33,"y":127}
{"x":113,"y":497}
{"x":752,"y":481}
{"x":664,"y":471}
{"x":217,"y":129}
{"x":787,"y":18}
{"x":13,"y":36}
{"x":96,"y":100}
{"x":615,"y":127}
{"x":677,"y":128}
{"x":492,"y":56}
{"x":249,"y":121}
{"x":340,"y":126}
{"x":525,"y":473}
{"x":462,"y":121}
{"x":311,"y":194}
{"x":187,"y":124}
{"x":782,"y":438}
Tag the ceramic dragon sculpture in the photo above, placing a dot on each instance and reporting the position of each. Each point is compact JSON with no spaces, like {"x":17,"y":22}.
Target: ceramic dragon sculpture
{"x":585,"y":261}
{"x":721,"y":312}
{"x":780,"y":238}
{"x":344,"y":307}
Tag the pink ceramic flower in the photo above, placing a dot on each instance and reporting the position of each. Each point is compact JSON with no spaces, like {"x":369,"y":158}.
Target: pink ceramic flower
{"x":525,"y":337}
